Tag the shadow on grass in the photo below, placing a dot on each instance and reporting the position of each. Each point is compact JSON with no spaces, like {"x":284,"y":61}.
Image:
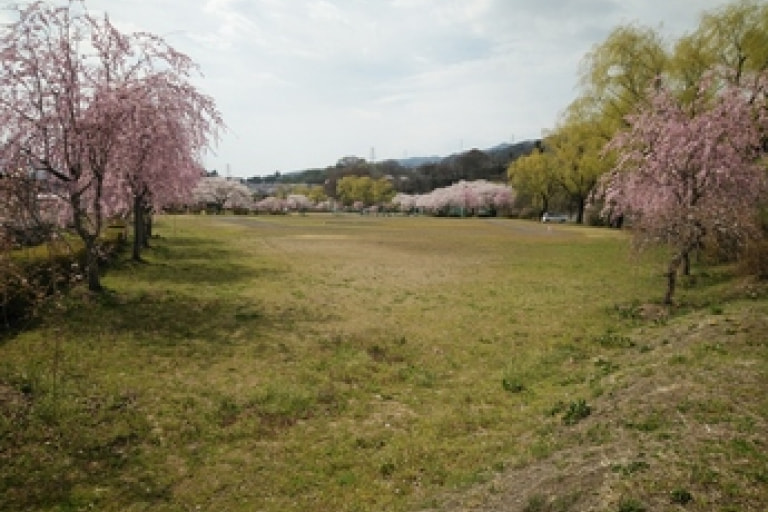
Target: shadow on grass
{"x":171,"y":301}
{"x":178,"y":324}
{"x":193,"y":261}
{"x":69,"y":451}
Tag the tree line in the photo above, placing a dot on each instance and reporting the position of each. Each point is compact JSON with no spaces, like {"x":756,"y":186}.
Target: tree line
{"x":475,"y":164}
{"x":356,"y":183}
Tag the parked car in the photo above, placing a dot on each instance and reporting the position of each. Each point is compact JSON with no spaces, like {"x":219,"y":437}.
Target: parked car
{"x":554,"y":217}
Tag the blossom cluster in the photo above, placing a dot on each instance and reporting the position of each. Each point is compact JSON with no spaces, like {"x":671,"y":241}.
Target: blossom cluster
{"x":467,"y":197}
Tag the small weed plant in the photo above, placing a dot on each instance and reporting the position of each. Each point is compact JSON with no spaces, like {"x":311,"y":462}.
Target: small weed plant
{"x":576,"y":411}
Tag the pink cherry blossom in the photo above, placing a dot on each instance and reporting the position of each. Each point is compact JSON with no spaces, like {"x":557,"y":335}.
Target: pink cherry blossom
{"x":108,"y":116}
{"x":468,"y":197}
{"x":690,"y":172}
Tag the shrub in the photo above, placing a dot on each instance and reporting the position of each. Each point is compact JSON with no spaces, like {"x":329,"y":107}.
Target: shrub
{"x":30,"y":276}
{"x":681,"y":497}
{"x":631,"y":505}
{"x":512,"y":384}
{"x":26,"y":282}
{"x":754,"y":261}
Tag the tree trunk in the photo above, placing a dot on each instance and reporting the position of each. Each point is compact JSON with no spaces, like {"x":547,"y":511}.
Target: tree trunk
{"x":687,"y":264}
{"x":580,"y":213}
{"x":147,"y":228}
{"x":92,"y":264}
{"x":544,"y":205}
{"x":138,"y":227}
{"x":674,"y":265}
{"x":90,"y":241}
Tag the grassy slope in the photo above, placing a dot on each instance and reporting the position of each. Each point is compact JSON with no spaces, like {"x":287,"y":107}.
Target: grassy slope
{"x":350,"y":363}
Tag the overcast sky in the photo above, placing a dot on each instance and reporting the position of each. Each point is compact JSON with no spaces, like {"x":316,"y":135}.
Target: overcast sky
{"x":302,"y":83}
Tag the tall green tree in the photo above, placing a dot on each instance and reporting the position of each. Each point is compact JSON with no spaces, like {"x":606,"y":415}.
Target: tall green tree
{"x":736,"y":38}
{"x":382,"y":191}
{"x":617,"y":77}
{"x":617,"y":73}
{"x":577,"y":149}
{"x":534,"y":176}
{"x":729,"y":41}
{"x":368,"y":191}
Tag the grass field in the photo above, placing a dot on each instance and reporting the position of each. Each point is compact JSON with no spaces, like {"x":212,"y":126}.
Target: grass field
{"x":355,"y":363}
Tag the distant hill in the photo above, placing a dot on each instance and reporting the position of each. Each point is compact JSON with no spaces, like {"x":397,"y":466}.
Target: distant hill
{"x":416,"y":174}
{"x":507,"y":152}
{"x":504,"y":152}
{"x":416,"y":161}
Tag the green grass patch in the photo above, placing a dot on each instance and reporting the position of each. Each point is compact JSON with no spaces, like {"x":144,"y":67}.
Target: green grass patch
{"x":325,"y":362}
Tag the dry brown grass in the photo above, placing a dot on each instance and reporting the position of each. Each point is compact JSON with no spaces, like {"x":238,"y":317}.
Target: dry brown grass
{"x":680,"y":424}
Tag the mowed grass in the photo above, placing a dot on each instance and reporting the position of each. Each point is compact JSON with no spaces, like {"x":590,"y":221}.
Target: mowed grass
{"x":349,"y":363}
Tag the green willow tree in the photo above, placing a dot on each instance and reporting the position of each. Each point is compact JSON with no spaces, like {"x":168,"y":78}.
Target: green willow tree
{"x":736,"y":38}
{"x":615,"y":78}
{"x":617,"y":73}
{"x":577,"y":147}
{"x":364,"y":189}
{"x":732,"y":41}
{"x":533,"y":176}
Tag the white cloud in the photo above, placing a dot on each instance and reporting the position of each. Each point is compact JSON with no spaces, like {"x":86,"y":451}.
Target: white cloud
{"x":302,"y":83}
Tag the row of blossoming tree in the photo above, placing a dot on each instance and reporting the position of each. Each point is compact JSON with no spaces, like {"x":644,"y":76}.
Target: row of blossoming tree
{"x":216,"y":194}
{"x":464,"y":198}
{"x":107,"y":122}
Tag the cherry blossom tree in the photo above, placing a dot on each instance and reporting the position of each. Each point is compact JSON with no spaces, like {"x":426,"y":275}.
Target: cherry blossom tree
{"x":465,"y":197}
{"x":406,"y":203}
{"x":298,"y":202}
{"x":67,"y":82}
{"x":223,"y":193}
{"x":492,"y":197}
{"x":271,"y":205}
{"x":687,"y":172}
{"x":158,"y":159}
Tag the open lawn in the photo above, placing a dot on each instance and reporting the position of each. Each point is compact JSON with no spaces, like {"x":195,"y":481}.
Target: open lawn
{"x":349,"y":363}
